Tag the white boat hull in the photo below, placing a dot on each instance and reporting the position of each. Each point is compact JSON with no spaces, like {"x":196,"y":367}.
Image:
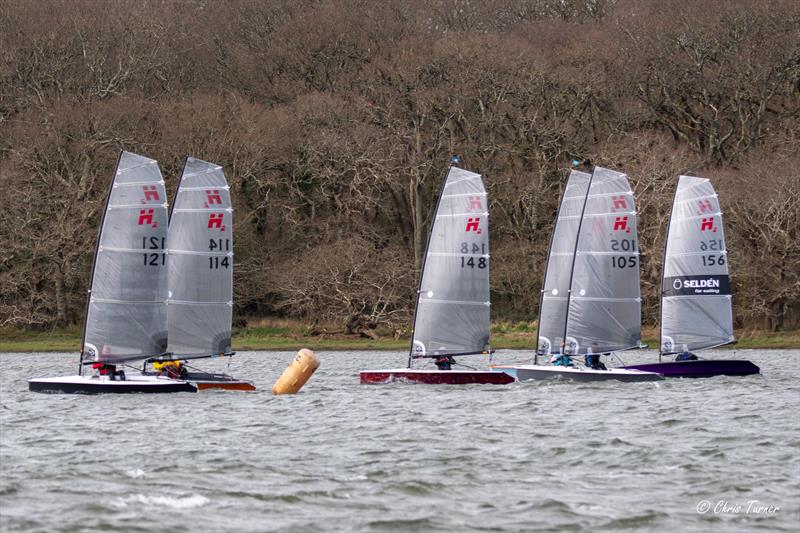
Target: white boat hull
{"x":532,"y":372}
{"x":100,"y":385}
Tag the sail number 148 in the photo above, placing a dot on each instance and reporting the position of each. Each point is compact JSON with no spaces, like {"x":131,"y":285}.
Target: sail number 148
{"x":471,"y":262}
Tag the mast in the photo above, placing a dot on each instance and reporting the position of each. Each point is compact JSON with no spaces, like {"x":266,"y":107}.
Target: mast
{"x":94,"y":261}
{"x":574,"y":254}
{"x":663,"y":268}
{"x":453,"y":160}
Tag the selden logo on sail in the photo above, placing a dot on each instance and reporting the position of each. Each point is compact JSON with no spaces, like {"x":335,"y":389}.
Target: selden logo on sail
{"x":696,"y":285}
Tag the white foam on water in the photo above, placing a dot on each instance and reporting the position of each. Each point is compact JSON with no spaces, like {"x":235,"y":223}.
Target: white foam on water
{"x":135,"y":473}
{"x":172,"y":502}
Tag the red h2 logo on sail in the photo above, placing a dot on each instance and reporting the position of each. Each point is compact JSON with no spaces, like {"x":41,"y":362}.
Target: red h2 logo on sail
{"x":146,"y":218}
{"x":213,"y":197}
{"x":705,"y":205}
{"x":618,"y":202}
{"x":708,"y":224}
{"x":150,"y":193}
{"x":621,"y":224}
{"x":473,"y":224}
{"x":475,"y":203}
{"x":215,"y":221}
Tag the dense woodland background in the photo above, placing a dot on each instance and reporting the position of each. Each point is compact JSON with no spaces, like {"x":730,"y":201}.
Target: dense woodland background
{"x":335,"y":121}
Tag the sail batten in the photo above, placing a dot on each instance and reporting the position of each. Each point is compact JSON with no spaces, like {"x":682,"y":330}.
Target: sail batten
{"x":453,"y":307}
{"x":696,"y":308}
{"x":200,"y":248}
{"x":126,"y":316}
{"x":604,"y":307}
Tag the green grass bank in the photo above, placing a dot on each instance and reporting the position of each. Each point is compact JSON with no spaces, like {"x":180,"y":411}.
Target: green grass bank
{"x":290,"y":335}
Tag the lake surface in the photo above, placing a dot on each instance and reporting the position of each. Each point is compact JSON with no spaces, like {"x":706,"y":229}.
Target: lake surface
{"x":341,"y":456}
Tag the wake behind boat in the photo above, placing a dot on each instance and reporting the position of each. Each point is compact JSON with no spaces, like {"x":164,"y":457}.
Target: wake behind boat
{"x":590,"y":301}
{"x":696,"y":309}
{"x":452,"y":314}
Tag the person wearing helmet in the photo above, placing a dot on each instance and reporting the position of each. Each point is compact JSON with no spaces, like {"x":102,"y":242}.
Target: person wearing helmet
{"x":686,"y":355}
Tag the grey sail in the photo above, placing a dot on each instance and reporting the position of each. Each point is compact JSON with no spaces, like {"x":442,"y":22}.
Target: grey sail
{"x":453,"y":310}
{"x":604,"y":311}
{"x":126,"y":317}
{"x":200,"y":249}
{"x":553,"y":309}
{"x":695,"y":293}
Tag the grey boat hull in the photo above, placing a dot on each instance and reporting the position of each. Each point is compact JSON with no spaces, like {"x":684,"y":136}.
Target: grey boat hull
{"x":539,"y":372}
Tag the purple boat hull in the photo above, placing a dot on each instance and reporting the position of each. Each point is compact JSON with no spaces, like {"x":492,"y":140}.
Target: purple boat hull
{"x":701,"y":368}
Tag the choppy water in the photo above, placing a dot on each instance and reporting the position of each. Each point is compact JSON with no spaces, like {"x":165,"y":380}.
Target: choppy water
{"x":342,"y":456}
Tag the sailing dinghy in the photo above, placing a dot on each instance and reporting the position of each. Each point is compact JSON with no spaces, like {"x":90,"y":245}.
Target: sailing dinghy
{"x":590,"y":301}
{"x":200,"y":277}
{"x":126,"y":312}
{"x":452,"y":313}
{"x":696,"y":309}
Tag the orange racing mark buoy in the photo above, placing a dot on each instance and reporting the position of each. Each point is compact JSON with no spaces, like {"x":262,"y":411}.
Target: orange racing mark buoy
{"x":297,"y":373}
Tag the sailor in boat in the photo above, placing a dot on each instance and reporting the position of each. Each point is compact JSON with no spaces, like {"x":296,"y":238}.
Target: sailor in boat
{"x":444,"y":362}
{"x":686,"y":355}
{"x":171,"y":369}
{"x":561,"y":360}
{"x":592,"y":359}
{"x":110,"y":371}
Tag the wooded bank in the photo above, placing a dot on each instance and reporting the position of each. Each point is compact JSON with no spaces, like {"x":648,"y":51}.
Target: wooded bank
{"x":335,"y":121}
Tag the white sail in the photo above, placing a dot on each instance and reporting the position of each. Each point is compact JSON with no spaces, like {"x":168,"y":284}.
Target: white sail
{"x":696,"y":308}
{"x":453,"y":310}
{"x":555,"y":289}
{"x":200,"y":248}
{"x":126,"y":318}
{"x":604,"y":311}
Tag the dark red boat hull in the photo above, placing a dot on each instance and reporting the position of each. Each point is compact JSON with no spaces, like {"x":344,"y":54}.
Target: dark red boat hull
{"x":436,"y":377}
{"x":702,"y":368}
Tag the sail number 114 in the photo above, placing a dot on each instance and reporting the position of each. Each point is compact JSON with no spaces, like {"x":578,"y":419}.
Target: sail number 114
{"x":219,"y":245}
